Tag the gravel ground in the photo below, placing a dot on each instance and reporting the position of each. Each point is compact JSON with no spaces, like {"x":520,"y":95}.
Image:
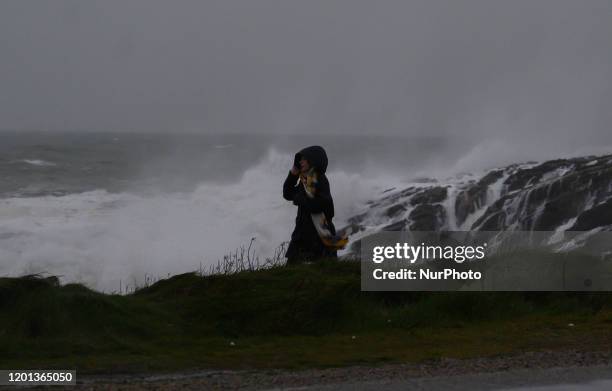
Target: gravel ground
{"x":320,"y":378}
{"x":591,"y":378}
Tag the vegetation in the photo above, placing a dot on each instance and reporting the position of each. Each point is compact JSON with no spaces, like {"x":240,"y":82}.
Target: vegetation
{"x":295,"y":316}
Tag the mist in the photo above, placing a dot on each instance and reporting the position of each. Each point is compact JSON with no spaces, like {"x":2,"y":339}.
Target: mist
{"x":522,"y":72}
{"x":105,"y":239}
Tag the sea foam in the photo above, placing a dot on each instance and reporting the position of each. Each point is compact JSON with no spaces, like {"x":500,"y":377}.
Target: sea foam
{"x":100,"y":238}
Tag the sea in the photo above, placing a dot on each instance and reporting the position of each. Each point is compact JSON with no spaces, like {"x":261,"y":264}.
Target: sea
{"x":112,"y":210}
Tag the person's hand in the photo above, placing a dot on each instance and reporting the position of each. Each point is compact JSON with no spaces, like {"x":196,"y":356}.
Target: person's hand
{"x":296,"y":160}
{"x":296,"y":164}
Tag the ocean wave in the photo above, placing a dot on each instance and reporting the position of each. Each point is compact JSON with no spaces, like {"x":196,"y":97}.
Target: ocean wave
{"x":99,"y":238}
{"x":36,"y":162}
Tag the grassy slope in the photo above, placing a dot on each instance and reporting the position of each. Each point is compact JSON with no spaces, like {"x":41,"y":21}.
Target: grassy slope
{"x":306,"y":315}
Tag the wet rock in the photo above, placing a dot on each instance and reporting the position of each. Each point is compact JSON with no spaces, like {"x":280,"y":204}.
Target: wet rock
{"x":556,"y":198}
{"x":558,"y":210}
{"x":427,"y":217}
{"x":430,"y":195}
{"x":492,"y":220}
{"x":541,"y":198}
{"x":358,"y":218}
{"x":474,"y":197}
{"x":395,"y":210}
{"x":393,"y":198}
{"x":530,"y":176}
{"x":397,"y":226}
{"x":599,"y":216}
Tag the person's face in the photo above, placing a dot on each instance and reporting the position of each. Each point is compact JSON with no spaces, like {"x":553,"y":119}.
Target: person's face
{"x":304,"y":166}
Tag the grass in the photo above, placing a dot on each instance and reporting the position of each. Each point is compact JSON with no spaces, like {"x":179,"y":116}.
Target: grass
{"x":299,"y":316}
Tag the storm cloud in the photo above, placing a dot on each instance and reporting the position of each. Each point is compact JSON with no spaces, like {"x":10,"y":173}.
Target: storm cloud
{"x":471,"y":68}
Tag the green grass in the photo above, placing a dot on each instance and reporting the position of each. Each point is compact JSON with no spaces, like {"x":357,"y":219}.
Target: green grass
{"x":293,"y":317}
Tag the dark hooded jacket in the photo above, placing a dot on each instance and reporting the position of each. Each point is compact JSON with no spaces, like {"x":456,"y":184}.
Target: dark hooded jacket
{"x":305,"y":241}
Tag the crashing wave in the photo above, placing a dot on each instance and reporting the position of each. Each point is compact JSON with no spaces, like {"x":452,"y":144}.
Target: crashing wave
{"x":37,"y":162}
{"x":557,"y":195}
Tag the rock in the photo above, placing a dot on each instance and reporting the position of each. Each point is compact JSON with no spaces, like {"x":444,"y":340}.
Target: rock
{"x":430,"y":195}
{"x":524,"y":177}
{"x":558,"y":210}
{"x":474,"y":197}
{"x":358,"y":218}
{"x":398,"y":226}
{"x":427,"y":217}
{"x":395,"y":210}
{"x":393,"y":198}
{"x":599,"y":216}
{"x":552,"y":197}
{"x":542,"y":197}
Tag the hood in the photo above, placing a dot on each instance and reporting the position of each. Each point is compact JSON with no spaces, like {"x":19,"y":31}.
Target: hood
{"x":316,"y":157}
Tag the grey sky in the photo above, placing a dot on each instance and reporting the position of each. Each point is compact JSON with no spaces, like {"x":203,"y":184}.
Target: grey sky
{"x":479,"y":68}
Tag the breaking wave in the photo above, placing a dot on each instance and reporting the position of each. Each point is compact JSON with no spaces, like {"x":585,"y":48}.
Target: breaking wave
{"x":37,"y":162}
{"x":101,"y":238}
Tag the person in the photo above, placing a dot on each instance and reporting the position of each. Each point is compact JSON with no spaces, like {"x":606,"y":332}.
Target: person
{"x":307,"y":187}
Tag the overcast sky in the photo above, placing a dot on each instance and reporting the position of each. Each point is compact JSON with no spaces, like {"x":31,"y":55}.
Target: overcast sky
{"x":400,"y":67}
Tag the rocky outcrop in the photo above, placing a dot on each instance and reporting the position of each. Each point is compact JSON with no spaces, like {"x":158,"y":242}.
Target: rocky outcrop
{"x":599,"y":216}
{"x":430,"y":195}
{"x":554,"y":193}
{"x":474,"y":196}
{"x":427,"y":217}
{"x":557,"y":195}
{"x":395,"y":210}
